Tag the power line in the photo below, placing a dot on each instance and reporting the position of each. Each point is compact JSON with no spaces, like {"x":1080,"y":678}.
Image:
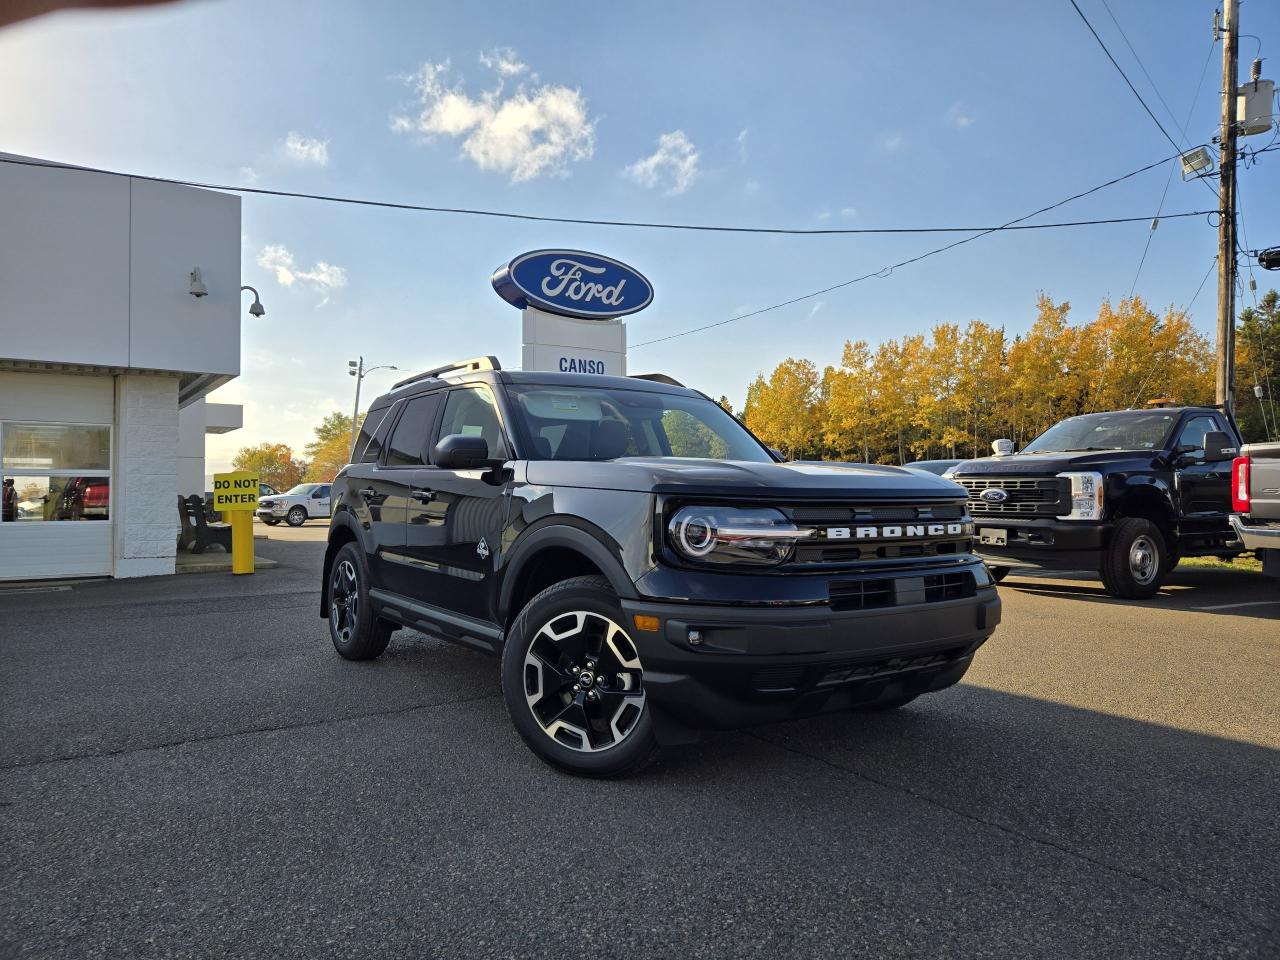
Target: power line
{"x":1120,"y":70}
{"x":886,"y":271}
{"x":1141,"y":66}
{"x":1182,"y":132}
{"x":582,"y":221}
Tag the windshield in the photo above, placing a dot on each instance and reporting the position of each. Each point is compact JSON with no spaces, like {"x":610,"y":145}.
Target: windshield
{"x":301,"y":490}
{"x":588,"y":423}
{"x":1105,"y":431}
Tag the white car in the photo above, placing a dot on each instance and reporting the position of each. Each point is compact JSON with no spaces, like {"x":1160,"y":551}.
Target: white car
{"x":304,"y":502}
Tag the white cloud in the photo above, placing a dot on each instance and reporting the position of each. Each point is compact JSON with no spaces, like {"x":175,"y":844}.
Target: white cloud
{"x":533,"y":131}
{"x":305,"y":150}
{"x":742,"y":144}
{"x":824,"y":215}
{"x":503,"y":61}
{"x":848,"y":212}
{"x":323,"y":276}
{"x":751,"y":186}
{"x":813,"y":311}
{"x":248,"y":176}
{"x":961,"y":116}
{"x":889,"y":140}
{"x":673,"y":166}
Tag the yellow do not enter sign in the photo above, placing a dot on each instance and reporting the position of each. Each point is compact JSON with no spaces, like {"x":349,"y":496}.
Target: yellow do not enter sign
{"x":235,"y":491}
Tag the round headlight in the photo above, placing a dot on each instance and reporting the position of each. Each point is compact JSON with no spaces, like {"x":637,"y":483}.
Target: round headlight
{"x":695,"y":534}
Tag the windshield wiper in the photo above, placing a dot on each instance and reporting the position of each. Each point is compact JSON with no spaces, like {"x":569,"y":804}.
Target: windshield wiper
{"x":1087,"y":449}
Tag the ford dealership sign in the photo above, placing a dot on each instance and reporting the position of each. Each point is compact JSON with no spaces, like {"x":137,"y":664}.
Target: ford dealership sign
{"x":573,"y":283}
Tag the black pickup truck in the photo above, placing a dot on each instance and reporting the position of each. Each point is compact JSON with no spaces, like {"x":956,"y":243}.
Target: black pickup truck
{"x":1126,"y":493}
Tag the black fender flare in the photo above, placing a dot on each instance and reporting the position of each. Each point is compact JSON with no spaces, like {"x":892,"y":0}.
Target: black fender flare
{"x":1152,"y":487}
{"x":571,"y":533}
{"x":342,"y":519}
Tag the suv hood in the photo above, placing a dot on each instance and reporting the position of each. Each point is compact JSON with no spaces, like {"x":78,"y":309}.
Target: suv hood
{"x":739,"y":477}
{"x":1029,"y":464}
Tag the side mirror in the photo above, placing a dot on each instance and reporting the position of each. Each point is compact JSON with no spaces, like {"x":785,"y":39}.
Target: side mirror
{"x":459,"y":452}
{"x":1218,"y":446}
{"x":1002,"y":448}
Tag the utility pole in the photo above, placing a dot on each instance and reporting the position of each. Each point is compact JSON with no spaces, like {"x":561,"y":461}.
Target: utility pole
{"x":1227,"y":207}
{"x":356,"y":369}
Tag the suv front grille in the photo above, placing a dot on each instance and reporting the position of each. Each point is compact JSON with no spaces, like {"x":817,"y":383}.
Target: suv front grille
{"x":876,"y":593}
{"x":851,"y":548}
{"x":1025,"y":496}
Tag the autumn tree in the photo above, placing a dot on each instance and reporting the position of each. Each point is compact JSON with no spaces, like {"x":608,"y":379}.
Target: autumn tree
{"x":330,"y":451}
{"x":1258,"y":369}
{"x":274,"y":463}
{"x":786,"y":410}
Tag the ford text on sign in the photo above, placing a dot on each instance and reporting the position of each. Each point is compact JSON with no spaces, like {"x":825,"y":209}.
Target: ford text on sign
{"x":235,"y":491}
{"x":573,"y":283}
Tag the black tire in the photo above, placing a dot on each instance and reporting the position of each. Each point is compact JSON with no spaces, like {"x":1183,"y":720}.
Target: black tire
{"x":297,"y":516}
{"x":1136,"y":560}
{"x":356,"y":633}
{"x":271,"y":522}
{"x":998,"y":573}
{"x":609,"y":735}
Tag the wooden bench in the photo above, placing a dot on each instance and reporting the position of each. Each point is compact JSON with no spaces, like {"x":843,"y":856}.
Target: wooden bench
{"x":197,"y":532}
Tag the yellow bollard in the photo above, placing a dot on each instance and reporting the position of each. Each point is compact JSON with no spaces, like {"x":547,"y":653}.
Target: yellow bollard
{"x":241,"y":541}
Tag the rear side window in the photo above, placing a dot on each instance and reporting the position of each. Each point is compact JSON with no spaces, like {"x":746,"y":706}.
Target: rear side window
{"x":408,"y":444}
{"x":369,"y":443}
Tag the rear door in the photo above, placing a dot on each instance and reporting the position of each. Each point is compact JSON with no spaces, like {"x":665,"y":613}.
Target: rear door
{"x":1204,"y":489}
{"x":377,"y":495}
{"x":457,"y":516}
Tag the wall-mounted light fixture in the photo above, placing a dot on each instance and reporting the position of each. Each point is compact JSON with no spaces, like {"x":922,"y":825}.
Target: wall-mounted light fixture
{"x":198,"y":289}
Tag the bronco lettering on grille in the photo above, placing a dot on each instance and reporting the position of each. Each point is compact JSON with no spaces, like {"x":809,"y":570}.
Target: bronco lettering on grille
{"x":897,"y":531}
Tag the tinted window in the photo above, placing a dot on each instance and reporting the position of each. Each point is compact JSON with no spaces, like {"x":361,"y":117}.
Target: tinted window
{"x":369,"y":443}
{"x":409,"y":438}
{"x":471,"y":412}
{"x":1193,"y":433}
{"x":597,"y":423}
{"x":1122,"y":430}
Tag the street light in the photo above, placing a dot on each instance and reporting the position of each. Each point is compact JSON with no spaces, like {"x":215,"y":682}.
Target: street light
{"x":357,"y":369}
{"x":256,"y":308}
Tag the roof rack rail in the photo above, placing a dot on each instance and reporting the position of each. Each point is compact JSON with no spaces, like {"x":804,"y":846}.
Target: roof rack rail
{"x":459,"y":366}
{"x":657,"y":378}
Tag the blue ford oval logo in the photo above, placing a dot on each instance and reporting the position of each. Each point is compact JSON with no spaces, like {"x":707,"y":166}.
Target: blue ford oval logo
{"x":573,"y":283}
{"x":994,"y":496}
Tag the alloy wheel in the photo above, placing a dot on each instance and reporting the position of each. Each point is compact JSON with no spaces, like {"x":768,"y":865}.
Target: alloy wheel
{"x":344,"y":600}
{"x":583,"y":681}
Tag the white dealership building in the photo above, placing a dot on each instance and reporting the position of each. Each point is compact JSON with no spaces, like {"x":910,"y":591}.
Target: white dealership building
{"x":106,"y":356}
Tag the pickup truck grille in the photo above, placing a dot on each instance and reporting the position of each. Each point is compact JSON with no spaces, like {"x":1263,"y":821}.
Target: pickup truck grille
{"x":1024,"y":496}
{"x":839,"y":524}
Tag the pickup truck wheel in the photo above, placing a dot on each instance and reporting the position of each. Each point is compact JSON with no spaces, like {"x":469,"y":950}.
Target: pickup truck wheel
{"x":1136,"y":561}
{"x":573,"y":682}
{"x":297,"y":517}
{"x":998,"y":573}
{"x":356,"y":633}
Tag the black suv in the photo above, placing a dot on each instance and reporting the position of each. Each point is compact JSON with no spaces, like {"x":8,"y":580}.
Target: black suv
{"x":641,"y":563}
{"x":1126,"y":493}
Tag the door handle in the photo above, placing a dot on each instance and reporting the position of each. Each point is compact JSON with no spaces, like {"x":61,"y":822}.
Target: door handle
{"x":423,"y":495}
{"x":368,"y":493}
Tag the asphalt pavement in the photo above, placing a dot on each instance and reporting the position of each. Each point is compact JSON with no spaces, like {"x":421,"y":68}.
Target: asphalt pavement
{"x":188,"y":770}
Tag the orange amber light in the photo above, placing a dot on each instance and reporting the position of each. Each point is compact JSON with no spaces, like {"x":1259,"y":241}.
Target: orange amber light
{"x":647,"y":624}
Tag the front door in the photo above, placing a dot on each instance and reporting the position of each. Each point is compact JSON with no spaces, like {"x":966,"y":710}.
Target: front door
{"x":1204,"y":489}
{"x":456,"y":517}
{"x":319,"y":503}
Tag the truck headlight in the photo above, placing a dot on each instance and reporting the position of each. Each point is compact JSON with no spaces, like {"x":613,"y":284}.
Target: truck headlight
{"x":729,"y":535}
{"x":1086,"y":496}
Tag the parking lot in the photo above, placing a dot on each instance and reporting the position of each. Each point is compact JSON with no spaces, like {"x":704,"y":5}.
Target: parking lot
{"x":189,"y":770}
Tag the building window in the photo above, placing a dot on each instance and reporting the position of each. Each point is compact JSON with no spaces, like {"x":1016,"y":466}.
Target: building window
{"x":55,"y":471}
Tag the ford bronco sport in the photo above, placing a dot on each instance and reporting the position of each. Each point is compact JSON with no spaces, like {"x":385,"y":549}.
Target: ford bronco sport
{"x":641,"y":563}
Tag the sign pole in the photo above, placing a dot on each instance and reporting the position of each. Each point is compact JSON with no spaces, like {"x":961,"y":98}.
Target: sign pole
{"x":241,"y":541}
{"x":236,"y":494}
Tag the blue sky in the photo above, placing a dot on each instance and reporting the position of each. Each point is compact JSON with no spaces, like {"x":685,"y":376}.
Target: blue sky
{"x":746,"y":113}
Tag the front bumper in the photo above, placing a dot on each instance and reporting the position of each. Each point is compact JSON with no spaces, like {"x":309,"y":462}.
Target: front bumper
{"x":759,"y":664}
{"x":1043,"y":542}
{"x":279,"y":510}
{"x":1255,"y":536}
